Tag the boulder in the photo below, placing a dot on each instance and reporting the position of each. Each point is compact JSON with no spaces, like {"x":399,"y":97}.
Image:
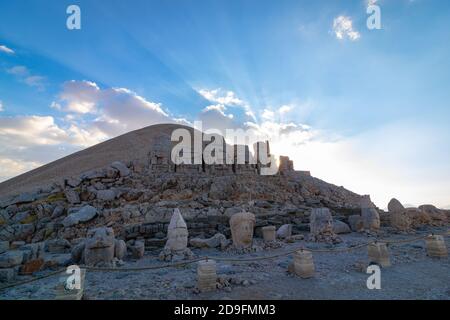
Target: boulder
{"x":437,"y":216}
{"x":395,"y":206}
{"x":106,"y":195}
{"x":242,"y":225}
{"x":122,"y":168}
{"x":137,"y":249}
{"x":417,"y":217}
{"x":85,"y":214}
{"x":340,"y":227}
{"x":57,"y":212}
{"x":72,"y":196}
{"x":7,"y":274}
{"x":285,"y":231}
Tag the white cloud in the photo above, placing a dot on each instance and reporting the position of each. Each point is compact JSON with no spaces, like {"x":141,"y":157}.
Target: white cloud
{"x":267,"y":114}
{"x":343,"y":28}
{"x":227,"y":98}
{"x":1,"y":106}
{"x":7,"y":50}
{"x":285,"y":109}
{"x":24,"y":75}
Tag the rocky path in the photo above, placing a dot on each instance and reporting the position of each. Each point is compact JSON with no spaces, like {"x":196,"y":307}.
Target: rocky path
{"x":413,"y":275}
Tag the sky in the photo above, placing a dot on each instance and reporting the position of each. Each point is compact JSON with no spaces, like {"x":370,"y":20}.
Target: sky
{"x":365,"y":109}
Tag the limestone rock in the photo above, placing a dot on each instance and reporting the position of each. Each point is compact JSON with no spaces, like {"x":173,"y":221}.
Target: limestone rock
{"x":400,"y":220}
{"x":242,"y":225}
{"x":123,"y":170}
{"x":218,"y":240}
{"x":269,"y":233}
{"x":72,"y":196}
{"x":85,"y":214}
{"x":285,"y":231}
{"x":417,"y":217}
{"x":437,"y":216}
{"x":7,"y":274}
{"x":340,"y":227}
{"x":137,"y":249}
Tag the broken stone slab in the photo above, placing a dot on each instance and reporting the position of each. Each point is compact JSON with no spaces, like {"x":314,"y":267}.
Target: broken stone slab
{"x":340,"y":227}
{"x":11,"y":259}
{"x":218,"y":240}
{"x":85,"y":214}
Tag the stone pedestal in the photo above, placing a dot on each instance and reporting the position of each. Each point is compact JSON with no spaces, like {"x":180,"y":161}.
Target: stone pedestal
{"x":269,"y":233}
{"x":206,"y":275}
{"x":378,"y":253}
{"x":436,"y":247}
{"x":304,"y":264}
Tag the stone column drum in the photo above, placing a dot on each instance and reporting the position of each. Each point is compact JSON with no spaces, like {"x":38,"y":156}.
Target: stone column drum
{"x":436,"y":247}
{"x":269,"y":233}
{"x":304,"y":264}
{"x":206,"y":275}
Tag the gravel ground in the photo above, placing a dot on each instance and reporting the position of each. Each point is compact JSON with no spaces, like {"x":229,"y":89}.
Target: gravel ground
{"x":412,"y":275}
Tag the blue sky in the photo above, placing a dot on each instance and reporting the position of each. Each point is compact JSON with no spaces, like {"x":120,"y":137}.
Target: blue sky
{"x":370,"y":110}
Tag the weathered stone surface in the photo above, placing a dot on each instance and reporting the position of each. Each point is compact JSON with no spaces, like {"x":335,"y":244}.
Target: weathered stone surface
{"x":16,"y":232}
{"x":242,"y":225}
{"x":356,"y":223}
{"x":57,"y":212}
{"x":370,"y":218}
{"x":321,"y":226}
{"x":72,"y":196}
{"x":400,"y":220}
{"x":11,"y":259}
{"x":206,"y":275}
{"x":417,"y":217}
{"x":437,"y":216}
{"x":123,"y":170}
{"x":285,"y":231}
{"x":74,"y":182}
{"x":218,"y":240}
{"x":340,"y":227}
{"x":85,"y":214}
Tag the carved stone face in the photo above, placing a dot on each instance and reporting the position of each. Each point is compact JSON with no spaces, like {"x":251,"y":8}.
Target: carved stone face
{"x":100,"y":238}
{"x":99,"y":246}
{"x":242,"y":225}
{"x":321,"y":221}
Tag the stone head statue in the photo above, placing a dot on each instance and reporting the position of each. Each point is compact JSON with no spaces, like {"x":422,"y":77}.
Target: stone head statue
{"x":177,"y":233}
{"x":99,"y":246}
{"x":321,"y":221}
{"x":242,"y":225}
